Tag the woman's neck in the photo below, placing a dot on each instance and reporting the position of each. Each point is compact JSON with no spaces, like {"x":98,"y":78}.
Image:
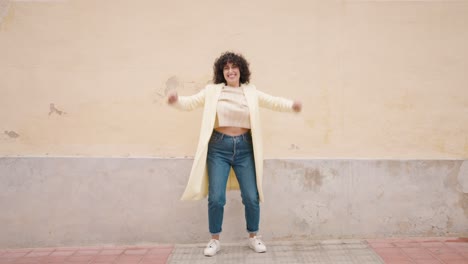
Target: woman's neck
{"x":233,"y":85}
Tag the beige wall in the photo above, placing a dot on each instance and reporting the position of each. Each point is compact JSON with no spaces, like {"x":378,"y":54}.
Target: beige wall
{"x":378,"y":79}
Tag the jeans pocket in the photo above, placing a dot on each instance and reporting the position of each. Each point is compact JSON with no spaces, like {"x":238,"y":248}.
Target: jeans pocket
{"x":215,"y":138}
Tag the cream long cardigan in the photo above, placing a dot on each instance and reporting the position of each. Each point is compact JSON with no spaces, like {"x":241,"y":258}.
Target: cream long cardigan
{"x":197,"y":186}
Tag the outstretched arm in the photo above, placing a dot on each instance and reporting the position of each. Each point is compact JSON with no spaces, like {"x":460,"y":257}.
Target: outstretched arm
{"x":186,"y":103}
{"x":278,"y":103}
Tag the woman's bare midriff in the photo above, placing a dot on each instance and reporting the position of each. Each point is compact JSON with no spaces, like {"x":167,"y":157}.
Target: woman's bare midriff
{"x":232,"y":131}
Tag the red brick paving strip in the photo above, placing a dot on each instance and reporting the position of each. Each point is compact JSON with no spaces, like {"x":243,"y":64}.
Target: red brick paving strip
{"x":392,"y":251}
{"x":421,"y":250}
{"x":88,"y":255}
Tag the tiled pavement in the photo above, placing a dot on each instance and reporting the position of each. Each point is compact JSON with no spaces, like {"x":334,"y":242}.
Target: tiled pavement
{"x":332,"y":251}
{"x":88,"y":255}
{"x":391,"y":251}
{"x":423,"y":250}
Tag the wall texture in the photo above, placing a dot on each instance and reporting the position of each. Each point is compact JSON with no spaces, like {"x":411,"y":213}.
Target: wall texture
{"x":96,"y":201}
{"x":378,"y":79}
{"x":87,"y":142}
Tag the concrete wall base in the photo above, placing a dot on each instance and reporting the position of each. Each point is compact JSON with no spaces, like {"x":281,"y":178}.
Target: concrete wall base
{"x":69,"y":201}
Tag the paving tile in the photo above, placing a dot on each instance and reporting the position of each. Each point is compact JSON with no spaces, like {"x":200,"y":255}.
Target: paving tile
{"x":38,"y":254}
{"x":426,"y":261}
{"x":160,"y":250}
{"x":406,"y":240}
{"x":449,"y":256}
{"x":135,"y":251}
{"x":19,"y":250}
{"x":104,"y":258}
{"x":27,"y":261}
{"x":128,"y":259}
{"x":462,"y":249}
{"x":442,"y":250}
{"x":43,"y":249}
{"x":421,"y":256}
{"x":381,"y":245}
{"x":155,"y":257}
{"x":114,"y":247}
{"x":331,"y":242}
{"x":458,"y":240}
{"x":61,"y":253}
{"x":399,"y":262}
{"x":415,"y":250}
{"x":83,"y":258}
{"x":388,"y":250}
{"x":456,"y":245}
{"x":382,"y":240}
{"x":429,"y":239}
{"x":7,"y":261}
{"x":67,"y":248}
{"x":137,"y":247}
{"x":456,"y":261}
{"x":54,"y":259}
{"x":154,"y":261}
{"x":87,"y":252}
{"x":14,"y":254}
{"x":355,"y":246}
{"x":394,"y":257}
{"x":140,"y":247}
{"x":111,"y":251}
{"x":407,"y":244}
{"x":161,"y":246}
{"x":432,"y":244}
{"x":126,"y":262}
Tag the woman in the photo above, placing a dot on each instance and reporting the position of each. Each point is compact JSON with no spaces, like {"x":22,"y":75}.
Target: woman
{"x":230,"y":136}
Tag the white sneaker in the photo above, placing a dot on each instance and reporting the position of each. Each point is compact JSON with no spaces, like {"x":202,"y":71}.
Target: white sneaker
{"x":212,"y":248}
{"x":257,"y":244}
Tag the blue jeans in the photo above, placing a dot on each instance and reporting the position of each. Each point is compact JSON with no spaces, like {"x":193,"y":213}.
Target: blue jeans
{"x":225,"y":152}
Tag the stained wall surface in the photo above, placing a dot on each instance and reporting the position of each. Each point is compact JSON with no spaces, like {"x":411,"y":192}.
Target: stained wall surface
{"x":127,"y":201}
{"x":378,"y":79}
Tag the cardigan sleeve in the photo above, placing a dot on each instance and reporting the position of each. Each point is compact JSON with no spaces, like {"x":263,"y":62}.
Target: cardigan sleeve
{"x":188,"y":103}
{"x":274,"y":103}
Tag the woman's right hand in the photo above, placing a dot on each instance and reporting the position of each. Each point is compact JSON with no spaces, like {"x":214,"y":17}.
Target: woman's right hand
{"x":172,"y":97}
{"x":297,"y":106}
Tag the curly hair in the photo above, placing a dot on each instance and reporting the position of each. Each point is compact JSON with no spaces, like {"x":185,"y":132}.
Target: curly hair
{"x":236,"y":59}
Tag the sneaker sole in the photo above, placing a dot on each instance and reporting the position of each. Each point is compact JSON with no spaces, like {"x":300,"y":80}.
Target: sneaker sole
{"x":256,"y":250}
{"x":206,"y":255}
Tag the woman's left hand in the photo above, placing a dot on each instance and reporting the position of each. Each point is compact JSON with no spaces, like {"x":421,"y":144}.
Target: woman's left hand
{"x":297,"y":106}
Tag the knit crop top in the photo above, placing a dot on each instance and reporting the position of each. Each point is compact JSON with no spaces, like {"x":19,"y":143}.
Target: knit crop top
{"x":232,"y":108}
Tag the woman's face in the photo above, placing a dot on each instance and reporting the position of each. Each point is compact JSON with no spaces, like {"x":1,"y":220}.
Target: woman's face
{"x":231,"y":74}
